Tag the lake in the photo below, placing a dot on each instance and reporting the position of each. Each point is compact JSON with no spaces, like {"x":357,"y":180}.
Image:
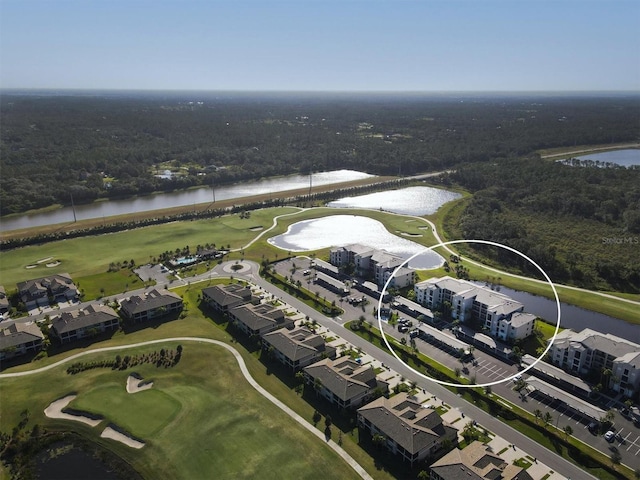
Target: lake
{"x":180,"y":198}
{"x":74,"y":464}
{"x":340,"y":230}
{"x":625,"y":158}
{"x":573,"y":317}
{"x":406,"y":201}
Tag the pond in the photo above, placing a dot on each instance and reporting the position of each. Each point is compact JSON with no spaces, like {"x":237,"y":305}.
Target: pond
{"x":74,"y":463}
{"x":624,"y":158}
{"x":340,"y":230}
{"x":406,"y":201}
{"x":179,"y":198}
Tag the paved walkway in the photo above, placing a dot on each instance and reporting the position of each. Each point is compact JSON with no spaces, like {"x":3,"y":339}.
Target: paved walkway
{"x":245,"y":371}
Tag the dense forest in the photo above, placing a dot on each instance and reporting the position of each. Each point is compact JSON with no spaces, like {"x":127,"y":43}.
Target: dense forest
{"x":90,"y":146}
{"x":580,"y":223}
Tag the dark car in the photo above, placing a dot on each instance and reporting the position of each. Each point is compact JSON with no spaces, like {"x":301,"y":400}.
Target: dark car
{"x":593,"y":427}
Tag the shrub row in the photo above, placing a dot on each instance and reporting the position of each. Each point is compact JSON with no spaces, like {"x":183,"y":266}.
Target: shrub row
{"x":162,"y":358}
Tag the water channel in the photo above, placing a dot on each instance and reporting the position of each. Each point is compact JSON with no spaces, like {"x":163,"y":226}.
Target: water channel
{"x":573,"y":317}
{"x":180,"y":198}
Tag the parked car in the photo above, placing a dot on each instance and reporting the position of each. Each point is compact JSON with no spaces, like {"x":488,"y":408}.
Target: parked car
{"x":593,"y":427}
{"x":414,"y":333}
{"x":610,"y":436}
{"x":403,"y":329}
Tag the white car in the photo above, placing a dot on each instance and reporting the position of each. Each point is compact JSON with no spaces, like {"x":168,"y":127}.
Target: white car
{"x":610,"y":436}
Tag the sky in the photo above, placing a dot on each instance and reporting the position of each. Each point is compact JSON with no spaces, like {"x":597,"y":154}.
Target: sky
{"x":321,"y":45}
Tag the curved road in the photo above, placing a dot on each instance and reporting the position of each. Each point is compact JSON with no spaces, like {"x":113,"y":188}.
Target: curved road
{"x":243,"y":368}
{"x":440,"y":240}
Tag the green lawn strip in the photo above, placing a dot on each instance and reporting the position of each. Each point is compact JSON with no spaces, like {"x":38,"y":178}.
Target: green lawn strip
{"x":224,"y":429}
{"x":571,"y":449}
{"x":532,"y":343}
{"x":108,"y":283}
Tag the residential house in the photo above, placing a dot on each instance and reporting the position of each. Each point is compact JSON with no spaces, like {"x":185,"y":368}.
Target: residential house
{"x":501,"y":316}
{"x":4,"y":301}
{"x":222,"y":298}
{"x":344,"y":381}
{"x":152,"y":304}
{"x":580,"y":353}
{"x":36,"y":293}
{"x":476,"y":462}
{"x":410,"y":430}
{"x":84,"y":322}
{"x":297,"y":348}
{"x":19,"y":339}
{"x":259,"y":319}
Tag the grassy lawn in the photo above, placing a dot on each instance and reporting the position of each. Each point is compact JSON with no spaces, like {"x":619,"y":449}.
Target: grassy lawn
{"x":90,"y":255}
{"x":85,"y":257}
{"x":142,"y":415}
{"x":195,"y":324}
{"x":193,"y":423}
{"x":108,"y":283}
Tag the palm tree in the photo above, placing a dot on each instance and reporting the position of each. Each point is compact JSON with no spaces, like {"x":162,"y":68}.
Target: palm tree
{"x":378,"y":440}
{"x":538,"y":414}
{"x":567,"y":431}
{"x":317,"y":385}
{"x":547,"y":419}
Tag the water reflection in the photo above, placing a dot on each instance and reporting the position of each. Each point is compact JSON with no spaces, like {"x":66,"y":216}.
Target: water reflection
{"x":339,"y":230}
{"x":406,"y":201}
{"x":625,"y":158}
{"x":180,"y":198}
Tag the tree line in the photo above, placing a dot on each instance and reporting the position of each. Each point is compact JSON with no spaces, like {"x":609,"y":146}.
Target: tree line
{"x":53,"y":148}
{"x":581,"y":224}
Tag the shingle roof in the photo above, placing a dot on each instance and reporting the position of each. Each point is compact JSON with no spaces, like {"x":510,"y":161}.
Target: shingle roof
{"x":406,"y":422}
{"x":18,"y":334}
{"x":257,"y":317}
{"x":89,"y":316}
{"x":344,"y":377}
{"x":225,"y":295}
{"x":297,"y":343}
{"x":151,"y":300}
{"x":476,"y":462}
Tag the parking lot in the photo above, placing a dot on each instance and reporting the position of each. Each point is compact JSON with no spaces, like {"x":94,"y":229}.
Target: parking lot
{"x":485,"y":368}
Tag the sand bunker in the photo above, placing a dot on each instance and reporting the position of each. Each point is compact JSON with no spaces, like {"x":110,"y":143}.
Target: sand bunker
{"x":257,"y":229}
{"x":53,"y":264}
{"x":44,"y":260}
{"x":121,"y":437}
{"x":405,"y":234}
{"x":137,"y":384}
{"x":55,"y":410}
{"x":31,"y":266}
